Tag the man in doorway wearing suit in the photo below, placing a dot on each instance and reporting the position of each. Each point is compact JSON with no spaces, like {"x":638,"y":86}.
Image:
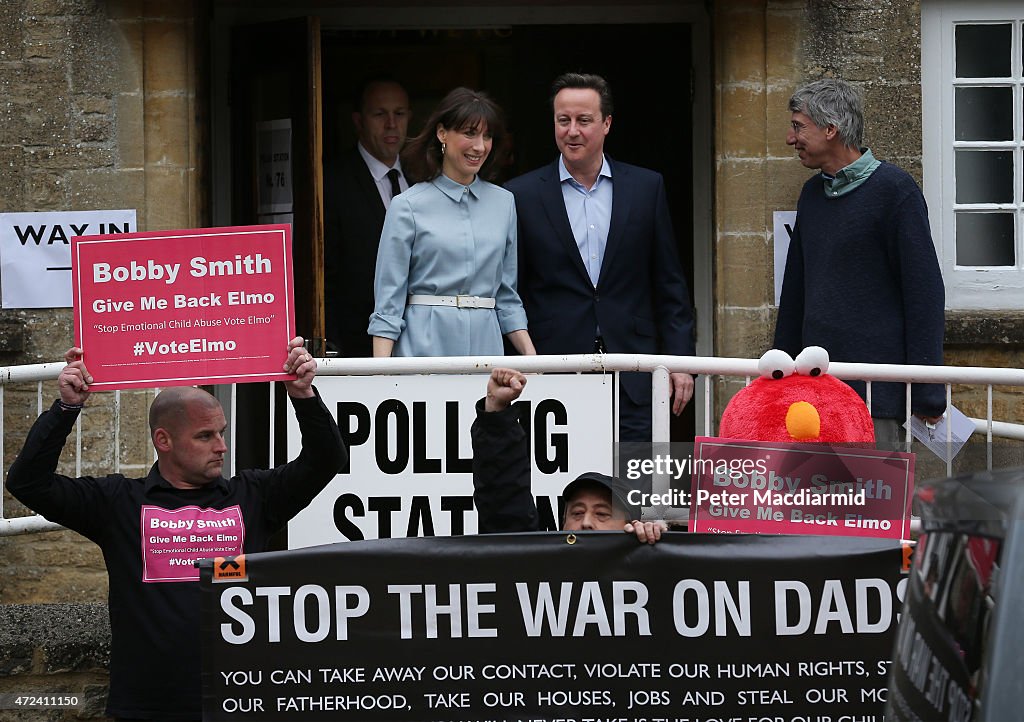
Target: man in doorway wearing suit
{"x":357,"y":193}
{"x":598,"y":268}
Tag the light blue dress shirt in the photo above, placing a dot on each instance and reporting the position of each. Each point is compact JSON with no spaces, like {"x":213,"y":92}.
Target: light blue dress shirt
{"x":590,"y":215}
{"x":441,"y":238}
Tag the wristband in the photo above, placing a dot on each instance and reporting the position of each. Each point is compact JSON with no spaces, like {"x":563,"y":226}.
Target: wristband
{"x":70,"y":407}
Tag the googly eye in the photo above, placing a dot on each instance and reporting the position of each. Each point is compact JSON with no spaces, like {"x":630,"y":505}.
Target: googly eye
{"x":775,"y":364}
{"x":812,"y":361}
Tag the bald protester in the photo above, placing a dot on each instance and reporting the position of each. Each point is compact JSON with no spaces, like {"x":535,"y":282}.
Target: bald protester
{"x":152,"y":530}
{"x":177,"y":416}
{"x":502,"y":487}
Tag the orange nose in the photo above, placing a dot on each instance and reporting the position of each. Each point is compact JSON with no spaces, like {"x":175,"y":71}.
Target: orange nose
{"x":802,"y":421}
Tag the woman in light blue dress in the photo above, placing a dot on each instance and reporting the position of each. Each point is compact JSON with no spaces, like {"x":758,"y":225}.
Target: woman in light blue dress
{"x":445,"y":281}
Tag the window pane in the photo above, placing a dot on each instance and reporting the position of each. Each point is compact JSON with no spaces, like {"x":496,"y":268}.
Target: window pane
{"x":983,"y":51}
{"x":984,"y":177}
{"x":984,"y":113}
{"x":984,"y":239}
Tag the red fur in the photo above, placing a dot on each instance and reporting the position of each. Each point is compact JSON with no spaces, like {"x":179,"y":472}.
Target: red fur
{"x":758,"y":412}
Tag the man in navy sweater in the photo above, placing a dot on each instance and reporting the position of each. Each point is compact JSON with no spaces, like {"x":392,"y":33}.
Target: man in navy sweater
{"x":861,"y":279}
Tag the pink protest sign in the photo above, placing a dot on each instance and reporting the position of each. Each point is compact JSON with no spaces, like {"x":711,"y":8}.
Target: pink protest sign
{"x":174,"y":308}
{"x":775,"y":488}
{"x":173,"y":539}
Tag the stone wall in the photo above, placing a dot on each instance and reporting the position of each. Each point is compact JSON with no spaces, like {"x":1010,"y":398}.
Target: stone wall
{"x":758,"y":63}
{"x":55,"y":649}
{"x":102,"y":111}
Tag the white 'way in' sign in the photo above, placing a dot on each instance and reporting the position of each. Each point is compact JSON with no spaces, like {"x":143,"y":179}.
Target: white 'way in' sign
{"x":35,"y":253}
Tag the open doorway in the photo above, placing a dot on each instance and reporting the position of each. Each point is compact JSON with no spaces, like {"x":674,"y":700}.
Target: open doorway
{"x":647,"y":65}
{"x":657,"y":58}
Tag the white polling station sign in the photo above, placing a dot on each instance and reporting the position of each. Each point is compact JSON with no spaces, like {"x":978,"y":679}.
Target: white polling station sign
{"x":410,"y":451}
{"x":35,"y":253}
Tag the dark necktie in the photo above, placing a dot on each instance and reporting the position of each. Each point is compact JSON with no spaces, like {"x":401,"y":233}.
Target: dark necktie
{"x":393,"y":177}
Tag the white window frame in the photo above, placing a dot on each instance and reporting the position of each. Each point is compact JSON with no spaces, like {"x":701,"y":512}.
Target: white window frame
{"x":967,"y":287}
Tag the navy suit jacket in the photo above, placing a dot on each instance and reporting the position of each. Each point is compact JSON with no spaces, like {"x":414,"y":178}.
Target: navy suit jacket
{"x":353,"y":218}
{"x":641,"y":302}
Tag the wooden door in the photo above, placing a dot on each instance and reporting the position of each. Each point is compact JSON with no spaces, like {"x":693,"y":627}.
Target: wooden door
{"x":275,"y":76}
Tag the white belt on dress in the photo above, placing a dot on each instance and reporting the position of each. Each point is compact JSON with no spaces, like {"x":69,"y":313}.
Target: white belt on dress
{"x":417,"y":299}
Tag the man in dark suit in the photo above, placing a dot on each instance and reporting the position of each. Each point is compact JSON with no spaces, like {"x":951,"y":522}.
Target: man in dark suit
{"x":357,"y":192}
{"x":598,"y":268}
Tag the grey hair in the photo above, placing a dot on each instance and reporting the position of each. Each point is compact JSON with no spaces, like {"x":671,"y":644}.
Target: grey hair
{"x":831,"y":101}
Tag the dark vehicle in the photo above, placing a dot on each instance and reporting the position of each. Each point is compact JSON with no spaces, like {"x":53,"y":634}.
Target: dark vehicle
{"x":959,"y":651}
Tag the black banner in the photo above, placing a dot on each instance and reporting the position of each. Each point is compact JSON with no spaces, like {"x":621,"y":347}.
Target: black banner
{"x":555,"y":626}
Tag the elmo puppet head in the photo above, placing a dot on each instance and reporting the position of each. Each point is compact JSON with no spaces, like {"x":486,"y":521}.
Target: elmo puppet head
{"x":797,"y":401}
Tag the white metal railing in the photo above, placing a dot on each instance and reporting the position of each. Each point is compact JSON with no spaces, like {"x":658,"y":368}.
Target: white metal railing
{"x":708,"y":369}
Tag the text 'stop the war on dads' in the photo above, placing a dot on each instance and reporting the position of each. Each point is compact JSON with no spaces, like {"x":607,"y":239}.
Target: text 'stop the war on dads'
{"x":211,"y":305}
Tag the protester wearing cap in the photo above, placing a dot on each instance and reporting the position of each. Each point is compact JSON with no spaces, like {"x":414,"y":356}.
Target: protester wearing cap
{"x":502,"y":489}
